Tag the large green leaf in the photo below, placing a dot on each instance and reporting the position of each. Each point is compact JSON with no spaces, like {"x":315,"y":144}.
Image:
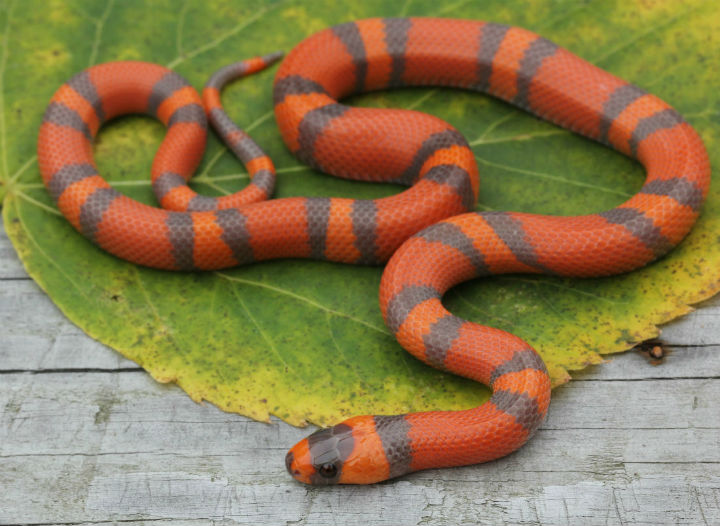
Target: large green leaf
{"x":305,"y":340}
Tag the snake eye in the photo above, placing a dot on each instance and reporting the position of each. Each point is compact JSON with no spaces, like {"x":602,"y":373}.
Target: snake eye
{"x":328,"y":470}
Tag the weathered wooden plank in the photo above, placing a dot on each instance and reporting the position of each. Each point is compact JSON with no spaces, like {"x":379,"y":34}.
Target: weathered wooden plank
{"x":127,"y":407}
{"x":124,"y":447}
{"x":138,"y":488}
{"x":700,"y":327}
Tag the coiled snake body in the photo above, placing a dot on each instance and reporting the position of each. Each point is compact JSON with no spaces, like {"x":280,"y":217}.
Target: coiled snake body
{"x":428,"y":253}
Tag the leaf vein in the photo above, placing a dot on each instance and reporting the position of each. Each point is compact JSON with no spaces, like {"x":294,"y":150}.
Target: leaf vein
{"x":263,"y":334}
{"x":518,"y":137}
{"x":222,"y":38}
{"x":352,"y":364}
{"x":649,"y":31}
{"x":22,"y":170}
{"x":304,"y":299}
{"x":563,"y":287}
{"x":405,"y":8}
{"x":47,"y":256}
{"x":565,"y":14}
{"x":99,"y":26}
{"x":180,"y":27}
{"x":551,"y":177}
{"x":497,"y":122}
{"x":484,"y":312}
{"x":37,"y":203}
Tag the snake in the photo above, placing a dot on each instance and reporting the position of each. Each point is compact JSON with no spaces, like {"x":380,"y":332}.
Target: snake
{"x":429,"y":234}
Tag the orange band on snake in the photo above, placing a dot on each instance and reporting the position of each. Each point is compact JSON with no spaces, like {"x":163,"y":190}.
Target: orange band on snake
{"x":427,"y":257}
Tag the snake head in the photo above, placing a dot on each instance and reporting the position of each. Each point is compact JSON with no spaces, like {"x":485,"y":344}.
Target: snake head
{"x":347,"y":453}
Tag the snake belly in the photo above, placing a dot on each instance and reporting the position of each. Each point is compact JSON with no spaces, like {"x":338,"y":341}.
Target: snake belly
{"x":429,"y":246}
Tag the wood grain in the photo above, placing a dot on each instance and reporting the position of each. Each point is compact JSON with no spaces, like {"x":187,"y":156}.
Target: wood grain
{"x":86,"y":437}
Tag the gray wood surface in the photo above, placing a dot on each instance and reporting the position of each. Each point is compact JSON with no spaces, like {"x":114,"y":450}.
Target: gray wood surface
{"x":86,"y":437}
